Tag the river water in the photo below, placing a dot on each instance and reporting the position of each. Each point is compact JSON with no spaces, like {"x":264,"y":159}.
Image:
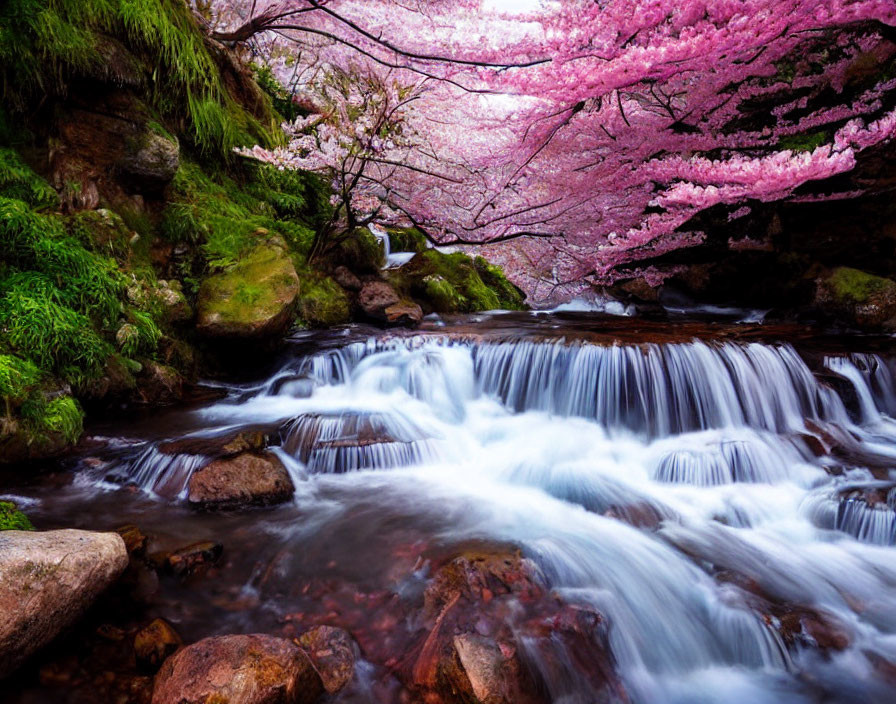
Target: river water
{"x":763,"y":457}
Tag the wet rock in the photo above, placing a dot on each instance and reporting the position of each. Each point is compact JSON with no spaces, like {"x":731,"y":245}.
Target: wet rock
{"x":641,"y":290}
{"x":239,"y":669}
{"x":134,"y":540}
{"x":47,"y":580}
{"x":194,"y":559}
{"x":117,"y":381}
{"x":346,"y":279}
{"x":333,"y":654}
{"x":221,"y":445}
{"x":159,"y":384}
{"x":476,"y":609}
{"x":254,"y":299}
{"x":380,"y":302}
{"x":250,"y":478}
{"x":154,"y":643}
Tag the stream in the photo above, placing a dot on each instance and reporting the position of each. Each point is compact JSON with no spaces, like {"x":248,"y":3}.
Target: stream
{"x":762,"y":456}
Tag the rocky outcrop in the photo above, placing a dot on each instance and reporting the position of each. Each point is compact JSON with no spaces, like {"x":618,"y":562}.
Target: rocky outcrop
{"x":47,"y":580}
{"x":861,"y":299}
{"x":380,"y":302}
{"x":254,"y":299}
{"x":251,"y":478}
{"x":241,"y":669}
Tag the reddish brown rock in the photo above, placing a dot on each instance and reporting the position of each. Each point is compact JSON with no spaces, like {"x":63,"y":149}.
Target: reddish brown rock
{"x":239,"y":669}
{"x":194,"y":558}
{"x":158,"y":384}
{"x":346,"y":279}
{"x":251,"y":478}
{"x":380,"y":302}
{"x":154,"y":643}
{"x":333,"y":654}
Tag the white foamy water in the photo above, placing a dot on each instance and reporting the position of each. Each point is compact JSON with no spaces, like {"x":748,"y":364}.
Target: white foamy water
{"x":549,"y":445}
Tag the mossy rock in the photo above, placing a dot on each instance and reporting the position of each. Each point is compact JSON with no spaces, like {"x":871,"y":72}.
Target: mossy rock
{"x":450,"y":283}
{"x":46,"y":428}
{"x":255,"y":298}
{"x":102,"y":231}
{"x":360,"y":251}
{"x":407,"y":239}
{"x":13,"y":519}
{"x":322,"y":302}
{"x":862,"y":299}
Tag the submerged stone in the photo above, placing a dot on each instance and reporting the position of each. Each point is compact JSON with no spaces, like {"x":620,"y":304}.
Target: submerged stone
{"x":238,"y":669}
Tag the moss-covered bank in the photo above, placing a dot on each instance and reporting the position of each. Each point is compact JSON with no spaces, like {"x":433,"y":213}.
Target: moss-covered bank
{"x":132,"y":237}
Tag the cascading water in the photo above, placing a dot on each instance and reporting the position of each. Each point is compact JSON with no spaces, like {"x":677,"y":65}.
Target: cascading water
{"x":687,"y":491}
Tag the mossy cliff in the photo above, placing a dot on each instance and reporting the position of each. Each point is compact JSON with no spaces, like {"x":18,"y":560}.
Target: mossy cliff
{"x":132,"y":237}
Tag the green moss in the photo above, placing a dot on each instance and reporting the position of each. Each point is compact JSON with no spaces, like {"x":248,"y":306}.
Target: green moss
{"x":60,"y":417}
{"x":322,"y":302}
{"x":855,"y":286}
{"x":252,"y":291}
{"x":44,"y":43}
{"x":13,"y":519}
{"x":407,"y":239}
{"x":443,"y":297}
{"x":360,"y":251}
{"x":509,"y":296}
{"x":456,"y":283}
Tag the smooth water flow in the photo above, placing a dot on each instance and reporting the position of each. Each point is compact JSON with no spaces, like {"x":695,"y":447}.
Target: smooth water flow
{"x":694,"y":493}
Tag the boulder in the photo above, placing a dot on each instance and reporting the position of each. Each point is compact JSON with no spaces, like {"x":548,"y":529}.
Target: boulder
{"x":859,"y":298}
{"x":238,"y":669}
{"x":152,"y":157}
{"x":154,"y":643}
{"x":346,"y":279}
{"x":332,"y":652}
{"x":256,"y":298}
{"x":47,"y":580}
{"x":380,"y":302}
{"x":159,"y":384}
{"x":250,"y":478}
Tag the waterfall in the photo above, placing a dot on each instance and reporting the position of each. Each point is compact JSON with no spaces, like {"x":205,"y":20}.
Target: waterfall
{"x":698,"y":494}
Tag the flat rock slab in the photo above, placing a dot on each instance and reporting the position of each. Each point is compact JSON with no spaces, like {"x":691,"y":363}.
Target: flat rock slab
{"x":239,"y":669}
{"x":47,"y":581}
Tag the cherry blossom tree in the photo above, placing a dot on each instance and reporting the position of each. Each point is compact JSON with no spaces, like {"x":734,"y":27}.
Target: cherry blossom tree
{"x":572,"y":140}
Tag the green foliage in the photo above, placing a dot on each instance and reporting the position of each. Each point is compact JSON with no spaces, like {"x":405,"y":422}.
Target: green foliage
{"x":853,"y":285}
{"x":281,"y":98}
{"x":509,"y":296}
{"x":56,"y":337}
{"x":43,"y":43}
{"x":360,"y":251}
{"x":19,"y":182}
{"x":13,"y":519}
{"x":18,"y":378}
{"x":227,"y":217}
{"x":60,"y":417}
